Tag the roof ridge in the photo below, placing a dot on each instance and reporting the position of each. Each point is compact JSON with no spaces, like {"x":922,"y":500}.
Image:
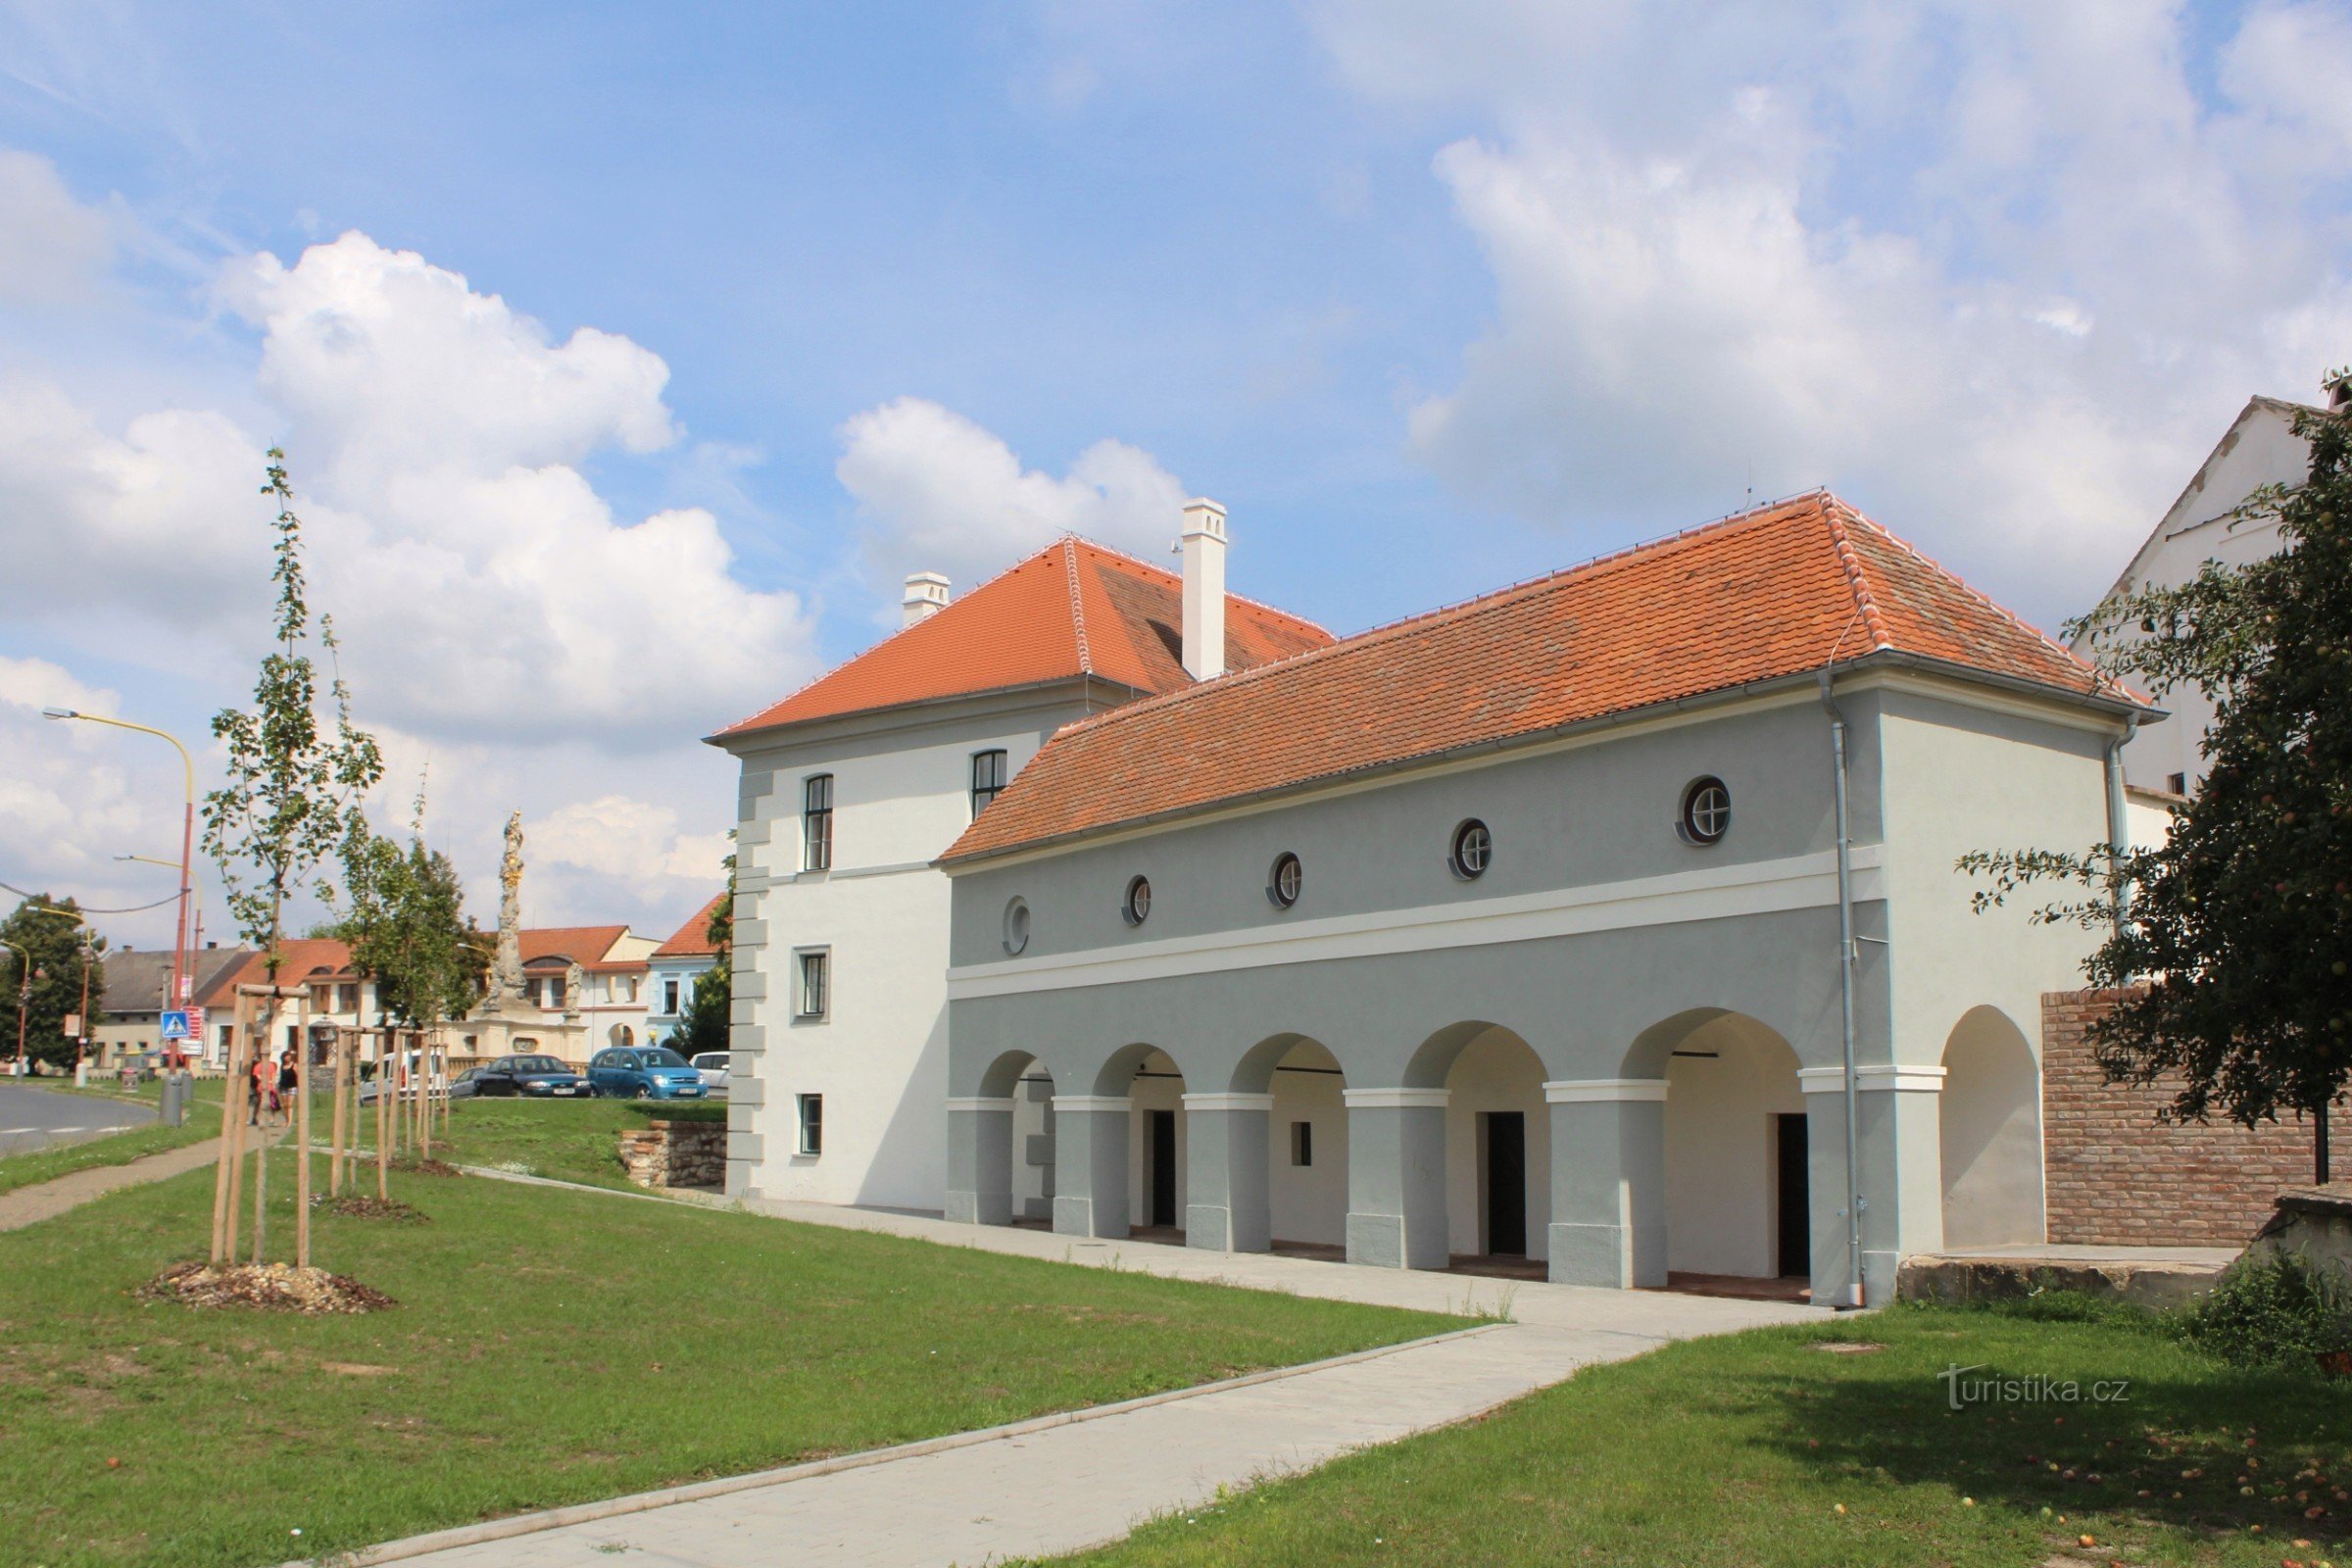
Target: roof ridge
{"x":1850,"y":563}
{"x":1387,"y":631}
{"x":2101,"y":679}
{"x":1069,"y":567}
{"x":892,"y":636}
{"x":1133,"y":559}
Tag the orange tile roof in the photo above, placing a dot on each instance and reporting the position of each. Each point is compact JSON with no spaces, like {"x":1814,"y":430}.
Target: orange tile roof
{"x":1779,"y":591}
{"x":584,"y":945}
{"x":1073,"y":609}
{"x":693,"y":939}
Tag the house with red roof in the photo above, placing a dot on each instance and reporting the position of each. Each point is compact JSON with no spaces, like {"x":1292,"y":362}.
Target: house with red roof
{"x":855,"y":785}
{"x":1606,"y":926}
{"x":674,"y":969}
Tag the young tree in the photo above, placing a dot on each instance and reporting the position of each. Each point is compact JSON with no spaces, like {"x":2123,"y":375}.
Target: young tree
{"x":709,"y":1016}
{"x":2234,"y":936}
{"x":54,"y":944}
{"x":291,"y":797}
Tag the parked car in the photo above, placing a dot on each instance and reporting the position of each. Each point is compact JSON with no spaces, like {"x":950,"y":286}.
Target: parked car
{"x":716,"y":1066}
{"x":463,"y":1085}
{"x":654,"y":1072}
{"x":532,"y":1077}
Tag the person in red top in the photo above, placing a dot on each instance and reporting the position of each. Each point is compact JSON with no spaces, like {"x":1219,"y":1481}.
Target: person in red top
{"x":262,"y":1076}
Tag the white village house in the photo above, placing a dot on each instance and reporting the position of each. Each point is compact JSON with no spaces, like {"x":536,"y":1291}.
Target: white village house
{"x":1547,"y":926}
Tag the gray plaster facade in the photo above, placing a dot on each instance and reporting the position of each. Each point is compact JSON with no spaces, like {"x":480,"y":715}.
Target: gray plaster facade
{"x":1592,"y":1001}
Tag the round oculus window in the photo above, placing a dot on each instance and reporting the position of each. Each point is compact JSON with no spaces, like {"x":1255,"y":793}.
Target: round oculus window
{"x":1016,"y":925}
{"x":1136,"y":905}
{"x":1473,"y":848}
{"x":1706,"y":810}
{"x":1286,"y":881}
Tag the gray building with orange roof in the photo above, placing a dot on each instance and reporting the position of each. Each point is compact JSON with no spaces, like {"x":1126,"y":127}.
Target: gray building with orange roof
{"x":1608,"y":926}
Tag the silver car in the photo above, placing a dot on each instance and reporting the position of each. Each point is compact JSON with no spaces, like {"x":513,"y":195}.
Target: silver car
{"x":714,"y":1066}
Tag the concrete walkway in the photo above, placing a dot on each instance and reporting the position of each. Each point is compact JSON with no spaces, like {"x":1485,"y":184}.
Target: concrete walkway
{"x":1069,"y":1482}
{"x":30,"y":1206}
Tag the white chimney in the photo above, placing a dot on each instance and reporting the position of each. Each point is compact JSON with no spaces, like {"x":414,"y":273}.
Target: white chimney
{"x":1203,"y":546}
{"x":926,"y":596}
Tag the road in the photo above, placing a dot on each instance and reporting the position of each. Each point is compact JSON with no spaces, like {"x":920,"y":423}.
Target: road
{"x":35,"y":1119}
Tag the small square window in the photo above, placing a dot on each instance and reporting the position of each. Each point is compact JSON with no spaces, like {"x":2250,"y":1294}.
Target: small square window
{"x":812,"y":1124}
{"x":1302,"y":1143}
{"x":815,"y":992}
{"x":2178,"y":783}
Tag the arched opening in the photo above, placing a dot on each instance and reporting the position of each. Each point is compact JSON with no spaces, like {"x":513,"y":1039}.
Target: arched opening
{"x":619,"y":1035}
{"x":1000,"y":1146}
{"x":1156,"y":1143}
{"x":1306,"y":1143}
{"x":1738,"y":1201}
{"x":1990,"y":1116}
{"x":1498,"y":1155}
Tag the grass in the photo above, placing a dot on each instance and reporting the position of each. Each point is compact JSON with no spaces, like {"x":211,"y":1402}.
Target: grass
{"x":550,"y":1347}
{"x":1763,"y":1448}
{"x":567,"y":1140}
{"x":115,"y":1148}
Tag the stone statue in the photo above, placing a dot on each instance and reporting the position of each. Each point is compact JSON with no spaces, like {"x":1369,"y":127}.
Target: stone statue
{"x":506,"y":970}
{"x":575,"y":988}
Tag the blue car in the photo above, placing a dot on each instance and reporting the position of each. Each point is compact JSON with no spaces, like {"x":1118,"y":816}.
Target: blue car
{"x":643,"y":1073}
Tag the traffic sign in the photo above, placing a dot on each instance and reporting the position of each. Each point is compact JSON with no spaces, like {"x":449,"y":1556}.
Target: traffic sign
{"x":175,"y":1023}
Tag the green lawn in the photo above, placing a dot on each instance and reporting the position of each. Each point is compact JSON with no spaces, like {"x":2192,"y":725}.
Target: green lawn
{"x":550,"y":1347}
{"x":115,"y":1148}
{"x":567,"y":1140}
{"x":1743,"y":1449}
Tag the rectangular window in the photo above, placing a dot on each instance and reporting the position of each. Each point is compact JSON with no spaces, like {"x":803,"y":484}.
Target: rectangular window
{"x":816,"y":823}
{"x":1302,"y":1143}
{"x":988,"y":779}
{"x":2178,"y":783}
{"x":554,"y":991}
{"x":669,"y":998}
{"x":815,"y":997}
{"x":812,"y":1124}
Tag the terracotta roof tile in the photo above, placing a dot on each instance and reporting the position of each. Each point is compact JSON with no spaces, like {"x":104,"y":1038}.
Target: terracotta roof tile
{"x":1774,"y":592}
{"x":693,"y":939}
{"x":1073,"y":609}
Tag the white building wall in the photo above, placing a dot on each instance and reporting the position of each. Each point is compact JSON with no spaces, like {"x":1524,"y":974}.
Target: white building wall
{"x":1310,"y":1201}
{"x":1496,"y":1073}
{"x":2260,"y":449}
{"x":878,"y":1057}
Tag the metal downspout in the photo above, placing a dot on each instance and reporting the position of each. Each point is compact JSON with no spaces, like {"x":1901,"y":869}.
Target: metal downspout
{"x":2118,"y":821}
{"x":1846,"y":997}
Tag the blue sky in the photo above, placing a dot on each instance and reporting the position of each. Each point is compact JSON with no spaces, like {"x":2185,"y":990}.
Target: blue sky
{"x":1432,"y":298}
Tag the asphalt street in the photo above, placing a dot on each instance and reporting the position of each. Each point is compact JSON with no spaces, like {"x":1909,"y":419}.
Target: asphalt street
{"x":35,"y":1118}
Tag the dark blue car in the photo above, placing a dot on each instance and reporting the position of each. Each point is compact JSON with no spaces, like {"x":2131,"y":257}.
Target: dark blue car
{"x":535,"y":1077}
{"x":643,"y":1072}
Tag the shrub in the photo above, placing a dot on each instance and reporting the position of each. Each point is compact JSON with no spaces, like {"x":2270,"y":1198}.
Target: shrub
{"x":2272,"y":1312}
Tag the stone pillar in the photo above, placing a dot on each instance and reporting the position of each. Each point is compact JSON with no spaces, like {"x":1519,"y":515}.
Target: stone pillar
{"x":1090,"y":1164}
{"x":1608,"y":1181}
{"x":1396,"y":1178}
{"x":1229,"y":1204}
{"x":1900,"y":1170}
{"x":980,"y":1160}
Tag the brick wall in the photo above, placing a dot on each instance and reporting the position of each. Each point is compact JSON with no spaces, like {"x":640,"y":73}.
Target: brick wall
{"x":2118,"y":1177}
{"x":675,"y":1153}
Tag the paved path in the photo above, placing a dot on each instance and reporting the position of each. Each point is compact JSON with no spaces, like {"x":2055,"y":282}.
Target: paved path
{"x":30,"y":1206}
{"x":33,"y":1118}
{"x":1066,"y":1483}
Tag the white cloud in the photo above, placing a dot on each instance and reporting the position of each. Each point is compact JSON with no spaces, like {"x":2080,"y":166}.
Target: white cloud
{"x":70,"y":801}
{"x":1895,"y":249}
{"x":637,"y":842}
{"x":52,"y":247}
{"x":935,"y":492}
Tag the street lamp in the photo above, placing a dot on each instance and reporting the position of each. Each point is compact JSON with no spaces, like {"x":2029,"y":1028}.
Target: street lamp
{"x":181,"y":987}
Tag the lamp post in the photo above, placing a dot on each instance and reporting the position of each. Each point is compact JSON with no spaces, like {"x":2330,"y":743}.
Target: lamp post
{"x":178,"y":1059}
{"x":180,"y":986}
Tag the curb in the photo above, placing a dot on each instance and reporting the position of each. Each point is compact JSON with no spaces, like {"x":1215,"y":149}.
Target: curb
{"x":529,"y":1524}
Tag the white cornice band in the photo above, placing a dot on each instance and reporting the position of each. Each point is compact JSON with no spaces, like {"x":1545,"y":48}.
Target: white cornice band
{"x":1097,"y":1103}
{"x":1229,"y":1102}
{"x":1879,"y":1077}
{"x":1395,"y":1099}
{"x":1591,"y":1091}
{"x":980,"y":1103}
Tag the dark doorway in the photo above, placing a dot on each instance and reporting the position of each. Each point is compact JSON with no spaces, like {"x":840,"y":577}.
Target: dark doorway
{"x":1506,"y":1182}
{"x":1163,"y":1167}
{"x":1796,"y":1209}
